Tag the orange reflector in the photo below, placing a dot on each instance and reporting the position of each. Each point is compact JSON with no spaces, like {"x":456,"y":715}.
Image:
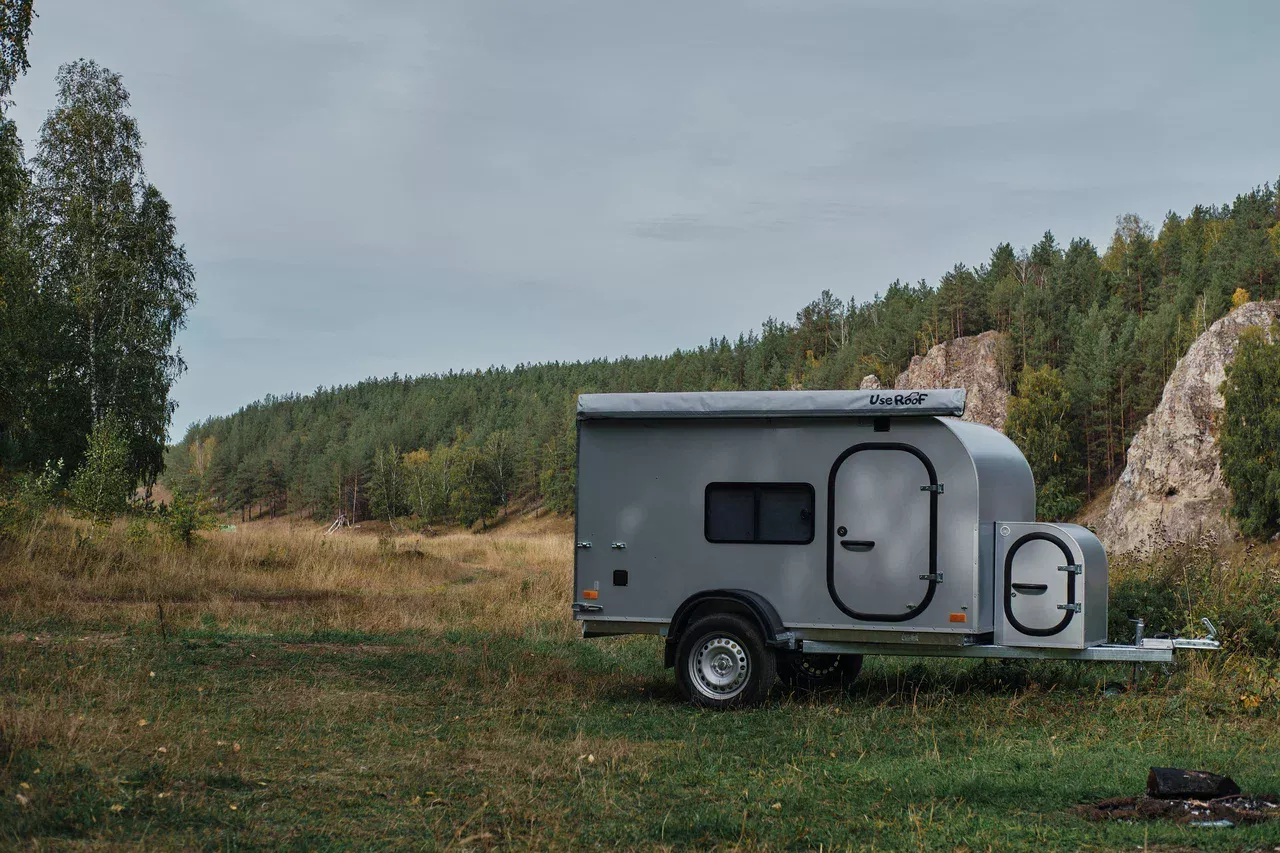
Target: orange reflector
{"x":590,"y":593}
{"x":958,"y":617}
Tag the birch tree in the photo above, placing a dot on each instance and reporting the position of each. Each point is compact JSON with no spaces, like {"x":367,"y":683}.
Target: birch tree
{"x":110,"y":263}
{"x":500,"y":462}
{"x":15,"y":28}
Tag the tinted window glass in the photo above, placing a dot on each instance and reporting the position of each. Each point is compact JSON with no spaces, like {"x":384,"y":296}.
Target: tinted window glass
{"x":731,"y":513}
{"x":786,"y":514}
{"x":766,"y":513}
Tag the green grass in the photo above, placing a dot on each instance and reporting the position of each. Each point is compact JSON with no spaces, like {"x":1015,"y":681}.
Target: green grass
{"x":473,"y":739}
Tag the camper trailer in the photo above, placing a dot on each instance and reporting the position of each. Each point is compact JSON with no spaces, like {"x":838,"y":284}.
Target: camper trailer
{"x":793,"y":532}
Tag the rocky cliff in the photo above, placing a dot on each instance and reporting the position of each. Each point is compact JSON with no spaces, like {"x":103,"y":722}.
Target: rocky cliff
{"x":1171,"y":489}
{"x":972,"y":363}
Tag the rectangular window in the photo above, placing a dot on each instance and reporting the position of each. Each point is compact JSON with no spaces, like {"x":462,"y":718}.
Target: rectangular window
{"x":760,"y":513}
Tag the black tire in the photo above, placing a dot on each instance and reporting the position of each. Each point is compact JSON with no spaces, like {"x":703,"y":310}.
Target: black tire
{"x":815,"y":672}
{"x":722,"y":662}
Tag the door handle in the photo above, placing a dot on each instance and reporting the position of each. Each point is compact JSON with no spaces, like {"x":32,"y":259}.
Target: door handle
{"x":858,"y":545}
{"x":1033,"y":588}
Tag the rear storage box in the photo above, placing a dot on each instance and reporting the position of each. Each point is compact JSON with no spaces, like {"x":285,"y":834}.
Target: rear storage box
{"x":1052,"y":586}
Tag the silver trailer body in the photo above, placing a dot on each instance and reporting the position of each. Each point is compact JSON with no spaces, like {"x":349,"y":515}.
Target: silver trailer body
{"x":644,"y":485}
{"x":841,"y":521}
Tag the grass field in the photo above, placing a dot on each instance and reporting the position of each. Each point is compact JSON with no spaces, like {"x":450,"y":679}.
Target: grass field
{"x":357,"y":692}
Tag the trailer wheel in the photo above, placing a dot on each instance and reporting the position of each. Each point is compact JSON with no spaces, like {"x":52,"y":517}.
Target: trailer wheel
{"x":814,"y":672}
{"x":722,"y":662}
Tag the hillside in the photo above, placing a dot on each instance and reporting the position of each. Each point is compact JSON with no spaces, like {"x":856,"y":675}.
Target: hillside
{"x":1107,"y":327}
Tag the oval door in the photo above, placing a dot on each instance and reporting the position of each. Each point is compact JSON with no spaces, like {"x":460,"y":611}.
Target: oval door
{"x":882,"y":532}
{"x":1039,"y":585}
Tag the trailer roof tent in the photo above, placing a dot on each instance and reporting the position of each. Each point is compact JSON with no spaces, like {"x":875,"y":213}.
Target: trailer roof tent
{"x":820,"y":517}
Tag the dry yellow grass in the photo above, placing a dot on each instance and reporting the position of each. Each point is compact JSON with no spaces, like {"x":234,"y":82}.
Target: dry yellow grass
{"x":275,"y":576}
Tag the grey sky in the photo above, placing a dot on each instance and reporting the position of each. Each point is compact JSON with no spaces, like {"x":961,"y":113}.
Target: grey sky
{"x":369,"y":188}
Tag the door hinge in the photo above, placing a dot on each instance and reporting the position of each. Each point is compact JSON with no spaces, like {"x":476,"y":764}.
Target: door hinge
{"x":937,"y":488}
{"x":1075,"y":607}
{"x":618,"y":546}
{"x":1075,"y":570}
{"x":585,"y":545}
{"x":936,"y":577}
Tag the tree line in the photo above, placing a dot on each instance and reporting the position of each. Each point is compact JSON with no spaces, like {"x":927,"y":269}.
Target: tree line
{"x":1090,"y":339}
{"x":93,"y":286}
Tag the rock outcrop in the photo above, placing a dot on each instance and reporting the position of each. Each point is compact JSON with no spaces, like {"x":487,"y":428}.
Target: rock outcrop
{"x":1172,"y":489}
{"x":870,"y":382}
{"x":972,"y":363}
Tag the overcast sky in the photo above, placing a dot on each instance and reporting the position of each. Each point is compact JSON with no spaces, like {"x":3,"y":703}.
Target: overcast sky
{"x":380,"y":187}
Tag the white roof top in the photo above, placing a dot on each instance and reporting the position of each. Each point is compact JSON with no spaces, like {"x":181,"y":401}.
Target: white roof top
{"x":773,"y":404}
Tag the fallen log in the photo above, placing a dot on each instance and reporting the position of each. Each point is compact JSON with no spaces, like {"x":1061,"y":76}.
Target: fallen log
{"x":1170,"y":783}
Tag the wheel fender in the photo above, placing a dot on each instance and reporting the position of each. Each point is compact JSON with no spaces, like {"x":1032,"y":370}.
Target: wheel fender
{"x":753,"y":604}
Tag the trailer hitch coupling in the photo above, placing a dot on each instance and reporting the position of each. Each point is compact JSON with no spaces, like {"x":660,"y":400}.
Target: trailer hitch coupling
{"x":1209,"y":642}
